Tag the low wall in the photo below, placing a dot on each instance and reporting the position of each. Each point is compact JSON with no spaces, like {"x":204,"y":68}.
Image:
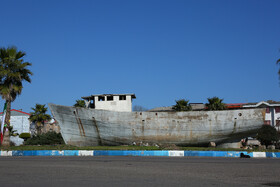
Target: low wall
{"x":140,"y":153}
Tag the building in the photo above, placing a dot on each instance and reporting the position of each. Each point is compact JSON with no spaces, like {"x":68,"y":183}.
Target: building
{"x":19,"y":121}
{"x":113,"y":102}
{"x":272,"y":114}
{"x":51,"y":126}
{"x":195,"y":107}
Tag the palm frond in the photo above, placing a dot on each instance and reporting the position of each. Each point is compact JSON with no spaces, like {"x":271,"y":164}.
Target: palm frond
{"x":13,"y":71}
{"x":215,"y":103}
{"x":39,"y":114}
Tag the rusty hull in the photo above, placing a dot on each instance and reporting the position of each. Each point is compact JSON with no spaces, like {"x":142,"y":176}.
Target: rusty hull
{"x":91,"y":127}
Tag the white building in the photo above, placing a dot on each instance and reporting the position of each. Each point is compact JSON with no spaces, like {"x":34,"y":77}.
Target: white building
{"x":19,"y":121}
{"x":113,"y":102}
{"x":272,"y":114}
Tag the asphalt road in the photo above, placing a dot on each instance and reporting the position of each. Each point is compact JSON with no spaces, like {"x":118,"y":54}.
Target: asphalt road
{"x":138,"y":171}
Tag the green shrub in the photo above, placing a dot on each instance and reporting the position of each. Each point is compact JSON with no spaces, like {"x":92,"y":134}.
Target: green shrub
{"x":25,"y":135}
{"x":267,"y":134}
{"x":49,"y":138}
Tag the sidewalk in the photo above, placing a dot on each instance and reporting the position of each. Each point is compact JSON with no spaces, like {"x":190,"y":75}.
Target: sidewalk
{"x":140,"y":153}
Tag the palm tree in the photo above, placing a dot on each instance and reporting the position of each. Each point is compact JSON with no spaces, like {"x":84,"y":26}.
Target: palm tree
{"x":215,"y":103}
{"x":80,"y":103}
{"x":13,"y":71}
{"x":182,"y":105}
{"x":39,"y":116}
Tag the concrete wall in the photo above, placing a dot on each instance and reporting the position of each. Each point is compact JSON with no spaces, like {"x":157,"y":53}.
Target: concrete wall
{"x":115,"y":105}
{"x":170,"y":153}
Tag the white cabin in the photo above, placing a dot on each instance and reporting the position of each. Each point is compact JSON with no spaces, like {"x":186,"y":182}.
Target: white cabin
{"x":113,"y":102}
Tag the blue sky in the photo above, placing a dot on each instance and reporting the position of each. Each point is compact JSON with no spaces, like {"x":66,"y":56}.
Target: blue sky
{"x":160,"y":50}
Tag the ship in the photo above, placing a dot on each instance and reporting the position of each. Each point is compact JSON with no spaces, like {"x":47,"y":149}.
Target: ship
{"x":108,"y":119}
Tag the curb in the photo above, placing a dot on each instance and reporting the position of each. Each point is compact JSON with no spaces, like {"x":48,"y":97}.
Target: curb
{"x":169,"y":153}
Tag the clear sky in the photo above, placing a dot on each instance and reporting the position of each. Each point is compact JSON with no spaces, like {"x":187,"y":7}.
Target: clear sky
{"x":161,"y":50}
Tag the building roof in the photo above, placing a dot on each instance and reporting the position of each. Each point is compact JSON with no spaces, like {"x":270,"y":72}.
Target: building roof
{"x":262,"y":104}
{"x":92,"y":96}
{"x":201,"y":106}
{"x":15,"y":112}
{"x":197,"y":106}
{"x":162,"y":109}
{"x":234,"y":105}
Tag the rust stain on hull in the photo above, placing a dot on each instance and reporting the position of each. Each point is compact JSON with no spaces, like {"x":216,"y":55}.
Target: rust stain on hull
{"x":97,"y":131}
{"x":79,"y":122}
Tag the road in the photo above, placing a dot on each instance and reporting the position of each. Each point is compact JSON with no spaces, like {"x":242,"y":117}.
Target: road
{"x":138,"y":171}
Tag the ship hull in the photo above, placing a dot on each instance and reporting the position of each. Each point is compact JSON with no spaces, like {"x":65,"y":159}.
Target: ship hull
{"x":91,"y":127}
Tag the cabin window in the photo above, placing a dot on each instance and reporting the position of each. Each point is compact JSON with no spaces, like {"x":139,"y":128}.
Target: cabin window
{"x":91,"y":104}
{"x":101,"y":98}
{"x":110,"y":98}
{"x":122,"y":97}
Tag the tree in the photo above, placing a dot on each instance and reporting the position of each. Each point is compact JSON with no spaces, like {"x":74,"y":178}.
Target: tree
{"x":267,"y":134}
{"x":39,"y":117}
{"x":182,"y":105}
{"x":278,"y":62}
{"x":13,"y":71}
{"x":80,"y":103}
{"x":138,"y":108}
{"x":215,"y":103}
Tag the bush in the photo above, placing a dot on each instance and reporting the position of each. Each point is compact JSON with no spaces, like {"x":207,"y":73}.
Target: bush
{"x":12,"y":144}
{"x":49,"y":138}
{"x":25,"y":135}
{"x":267,"y":134}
